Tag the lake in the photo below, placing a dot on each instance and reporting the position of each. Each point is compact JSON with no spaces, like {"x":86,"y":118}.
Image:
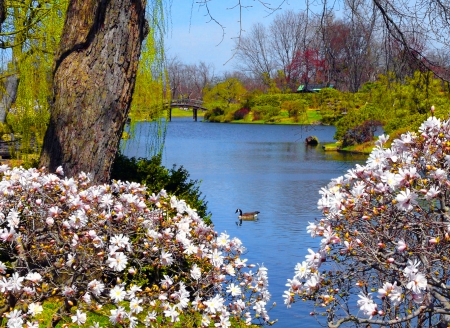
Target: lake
{"x":266,"y":168}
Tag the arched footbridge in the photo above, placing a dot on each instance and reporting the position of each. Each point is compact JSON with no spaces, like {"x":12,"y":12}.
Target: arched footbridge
{"x":187,"y":103}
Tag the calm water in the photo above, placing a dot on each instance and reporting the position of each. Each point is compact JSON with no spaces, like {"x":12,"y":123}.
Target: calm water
{"x":265,"y":168}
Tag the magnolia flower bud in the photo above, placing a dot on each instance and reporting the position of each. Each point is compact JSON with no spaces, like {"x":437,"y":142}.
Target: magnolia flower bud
{"x":49,"y":221}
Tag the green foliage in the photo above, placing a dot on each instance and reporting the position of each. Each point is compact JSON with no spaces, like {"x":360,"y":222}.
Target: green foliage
{"x":231,"y":91}
{"x":148,"y":95}
{"x":38,"y":28}
{"x":101,"y":316}
{"x":267,"y":113}
{"x":296,"y":109}
{"x":330,"y":104}
{"x":406,"y":122}
{"x":267,"y":100}
{"x":360,"y":134}
{"x":327,"y":95}
{"x":220,"y":113}
{"x":33,"y":29}
{"x":413,"y":96}
{"x":214,"y":115}
{"x":400,"y":106}
{"x":223,"y":100}
{"x":357,"y":117}
{"x":156,"y":177}
{"x":248,"y":101}
{"x":271,"y":84}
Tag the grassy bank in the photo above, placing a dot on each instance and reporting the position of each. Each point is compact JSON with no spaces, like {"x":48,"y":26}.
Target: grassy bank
{"x":179,"y":112}
{"x":365,"y":148}
{"x":312,"y":116}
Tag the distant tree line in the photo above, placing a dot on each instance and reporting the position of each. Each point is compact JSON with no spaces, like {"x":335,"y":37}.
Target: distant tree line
{"x":346,"y":49}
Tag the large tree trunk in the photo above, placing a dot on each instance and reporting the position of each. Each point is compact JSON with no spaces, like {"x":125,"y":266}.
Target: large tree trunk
{"x":94,"y":76}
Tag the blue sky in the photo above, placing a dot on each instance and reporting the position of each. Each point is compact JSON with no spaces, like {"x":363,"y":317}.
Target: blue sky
{"x":193,"y":38}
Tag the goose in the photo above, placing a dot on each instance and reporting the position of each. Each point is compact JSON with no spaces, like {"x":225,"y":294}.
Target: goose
{"x":249,"y":216}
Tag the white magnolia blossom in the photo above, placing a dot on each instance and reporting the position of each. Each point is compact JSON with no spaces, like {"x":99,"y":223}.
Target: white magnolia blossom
{"x":367,"y":305}
{"x":102,"y":240}
{"x":385,"y":227}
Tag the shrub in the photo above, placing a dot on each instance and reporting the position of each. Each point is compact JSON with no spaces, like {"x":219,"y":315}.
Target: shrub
{"x":295,"y":108}
{"x":215,"y":119}
{"x":136,"y":258}
{"x":267,"y":100}
{"x":156,"y":177}
{"x":385,"y":238}
{"x":241,"y":113}
{"x":404,"y":121}
{"x":257,"y":116}
{"x":362,"y":133}
{"x":356,"y":117}
{"x":213,"y":114}
{"x":267,"y":112}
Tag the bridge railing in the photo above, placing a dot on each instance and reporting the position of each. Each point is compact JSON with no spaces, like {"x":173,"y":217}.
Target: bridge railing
{"x":187,"y":101}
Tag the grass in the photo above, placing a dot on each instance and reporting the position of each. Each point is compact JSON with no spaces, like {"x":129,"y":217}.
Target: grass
{"x":178,"y":112}
{"x":332,"y":146}
{"x":51,"y":306}
{"x":365,"y":148}
{"x":312,"y":116}
{"x":50,"y":310}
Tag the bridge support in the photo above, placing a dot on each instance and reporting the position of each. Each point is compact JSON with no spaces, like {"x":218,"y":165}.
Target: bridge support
{"x":196,"y":105}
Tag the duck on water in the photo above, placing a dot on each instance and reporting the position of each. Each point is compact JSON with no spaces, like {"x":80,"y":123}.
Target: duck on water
{"x":249,"y":216}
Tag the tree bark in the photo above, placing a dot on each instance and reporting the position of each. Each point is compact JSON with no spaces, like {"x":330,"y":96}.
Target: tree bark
{"x":94,"y":77}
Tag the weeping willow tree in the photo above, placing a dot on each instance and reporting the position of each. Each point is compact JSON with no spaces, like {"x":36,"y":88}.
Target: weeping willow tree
{"x":95,"y":70}
{"x":149,"y":96}
{"x":29,"y":37}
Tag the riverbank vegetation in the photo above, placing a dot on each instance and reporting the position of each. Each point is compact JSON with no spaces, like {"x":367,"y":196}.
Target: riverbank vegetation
{"x":156,"y":177}
{"x":394,"y":96}
{"x":396,"y":106}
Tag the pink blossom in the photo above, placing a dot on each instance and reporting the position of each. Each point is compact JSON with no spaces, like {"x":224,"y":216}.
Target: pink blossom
{"x":401,"y":245}
{"x":406,"y":199}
